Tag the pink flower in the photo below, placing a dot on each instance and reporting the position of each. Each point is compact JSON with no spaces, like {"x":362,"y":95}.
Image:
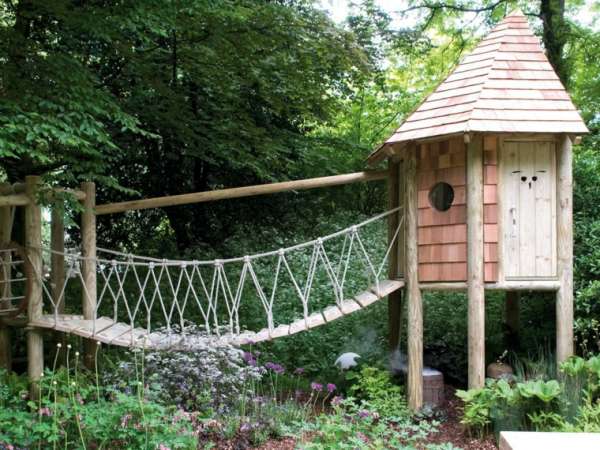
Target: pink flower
{"x":337,"y":400}
{"x":45,"y":412}
{"x":316,"y":386}
{"x":125,"y":420}
{"x":331,"y":387}
{"x":163,"y":447}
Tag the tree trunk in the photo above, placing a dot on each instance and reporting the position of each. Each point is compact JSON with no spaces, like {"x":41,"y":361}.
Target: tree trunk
{"x":554,"y":36}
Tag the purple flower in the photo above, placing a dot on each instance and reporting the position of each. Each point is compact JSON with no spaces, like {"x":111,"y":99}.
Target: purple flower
{"x":316,"y":386}
{"x":250,"y":359}
{"x":277,"y":368}
{"x":331,"y":387}
{"x":363,"y":414}
{"x":299,"y":371}
{"x":337,"y":400}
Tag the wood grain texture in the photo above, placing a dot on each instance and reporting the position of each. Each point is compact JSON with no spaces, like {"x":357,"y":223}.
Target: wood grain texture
{"x":442,"y":234}
{"x":413,"y":293}
{"x":239,"y":192}
{"x":33,"y":242}
{"x":475,"y":269}
{"x":57,"y":260}
{"x":88,"y":266}
{"x":529,"y":193}
{"x":395,"y":298}
{"x":564,"y":296}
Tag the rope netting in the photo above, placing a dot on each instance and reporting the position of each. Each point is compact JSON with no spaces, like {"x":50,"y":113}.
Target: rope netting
{"x":224,"y":298}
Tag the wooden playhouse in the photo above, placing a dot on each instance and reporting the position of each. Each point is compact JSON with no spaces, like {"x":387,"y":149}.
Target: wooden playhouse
{"x":483,"y":169}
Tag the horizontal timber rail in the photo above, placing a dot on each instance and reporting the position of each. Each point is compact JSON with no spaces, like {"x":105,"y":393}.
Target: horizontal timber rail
{"x":246,"y":191}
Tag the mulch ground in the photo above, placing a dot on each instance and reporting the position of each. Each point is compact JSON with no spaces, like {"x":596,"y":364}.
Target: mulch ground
{"x":450,"y":430}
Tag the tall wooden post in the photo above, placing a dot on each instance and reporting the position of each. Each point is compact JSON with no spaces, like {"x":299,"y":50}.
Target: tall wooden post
{"x":395,"y":298}
{"x":57,"y":243}
{"x":88,"y":270}
{"x":57,"y":273}
{"x":5,"y":237}
{"x":33,"y":243}
{"x":415,"y":305}
{"x":564,"y":296}
{"x":475,"y":286}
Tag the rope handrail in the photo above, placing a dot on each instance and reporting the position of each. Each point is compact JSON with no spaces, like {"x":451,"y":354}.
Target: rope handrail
{"x":167,"y":293}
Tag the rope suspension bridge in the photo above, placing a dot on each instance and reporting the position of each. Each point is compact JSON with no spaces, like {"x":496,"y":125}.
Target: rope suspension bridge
{"x":140,"y":301}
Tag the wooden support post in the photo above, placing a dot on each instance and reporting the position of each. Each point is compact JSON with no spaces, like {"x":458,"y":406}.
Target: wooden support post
{"x":564,"y":296}
{"x":511,"y":318}
{"x":475,"y":286}
{"x":33,"y":243}
{"x":5,"y":288}
{"x":415,"y":305}
{"x":88,"y":270}
{"x":57,"y":243}
{"x":395,"y":298}
{"x":57,"y":273}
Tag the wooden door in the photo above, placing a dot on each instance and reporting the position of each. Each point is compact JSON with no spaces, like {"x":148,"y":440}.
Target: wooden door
{"x":529,"y":209}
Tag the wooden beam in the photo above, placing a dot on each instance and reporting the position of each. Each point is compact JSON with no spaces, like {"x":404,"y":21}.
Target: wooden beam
{"x":33,"y":243}
{"x":239,"y":192}
{"x":564,"y":296}
{"x":512,"y":286}
{"x":413,"y":293}
{"x":475,"y":285}
{"x":14,"y":200}
{"x":88,"y":269}
{"x":395,"y":298}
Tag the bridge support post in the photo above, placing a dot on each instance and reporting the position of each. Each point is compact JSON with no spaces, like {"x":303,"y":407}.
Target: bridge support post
{"x":395,"y":298}
{"x":33,"y":243}
{"x":564,"y":296}
{"x":413,"y":292}
{"x":5,"y":288}
{"x":88,"y":269}
{"x":57,"y":273}
{"x":475,"y":286}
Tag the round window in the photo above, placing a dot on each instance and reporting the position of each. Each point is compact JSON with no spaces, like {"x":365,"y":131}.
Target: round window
{"x":441,"y":196}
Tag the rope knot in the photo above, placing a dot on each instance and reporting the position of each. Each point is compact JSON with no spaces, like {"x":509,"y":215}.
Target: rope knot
{"x":151,"y":265}
{"x":183,"y":265}
{"x":281,"y":252}
{"x":113,"y":263}
{"x":218,"y":263}
{"x":246,"y":259}
{"x":353,"y":229}
{"x":319,"y":241}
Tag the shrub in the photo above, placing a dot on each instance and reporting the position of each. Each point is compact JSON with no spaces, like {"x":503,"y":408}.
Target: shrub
{"x":210,"y":379}
{"x":73,"y":413}
{"x":536,"y":404}
{"x":375,"y":387}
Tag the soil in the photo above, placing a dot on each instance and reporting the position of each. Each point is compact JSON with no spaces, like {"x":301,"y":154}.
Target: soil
{"x":450,"y":431}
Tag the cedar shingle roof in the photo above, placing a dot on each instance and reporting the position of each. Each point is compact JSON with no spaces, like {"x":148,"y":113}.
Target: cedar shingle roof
{"x":505,"y":85}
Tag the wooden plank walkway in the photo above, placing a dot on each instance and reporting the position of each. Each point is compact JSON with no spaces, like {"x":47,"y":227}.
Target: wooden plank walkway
{"x":108,"y":331}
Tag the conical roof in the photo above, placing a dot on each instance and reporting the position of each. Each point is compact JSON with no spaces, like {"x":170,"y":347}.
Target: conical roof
{"x":505,"y":85}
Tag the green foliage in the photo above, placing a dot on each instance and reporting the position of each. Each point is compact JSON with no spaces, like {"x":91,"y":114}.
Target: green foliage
{"x":73,"y":413}
{"x":537,"y":404}
{"x":376,"y":388}
{"x":352,"y":426}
